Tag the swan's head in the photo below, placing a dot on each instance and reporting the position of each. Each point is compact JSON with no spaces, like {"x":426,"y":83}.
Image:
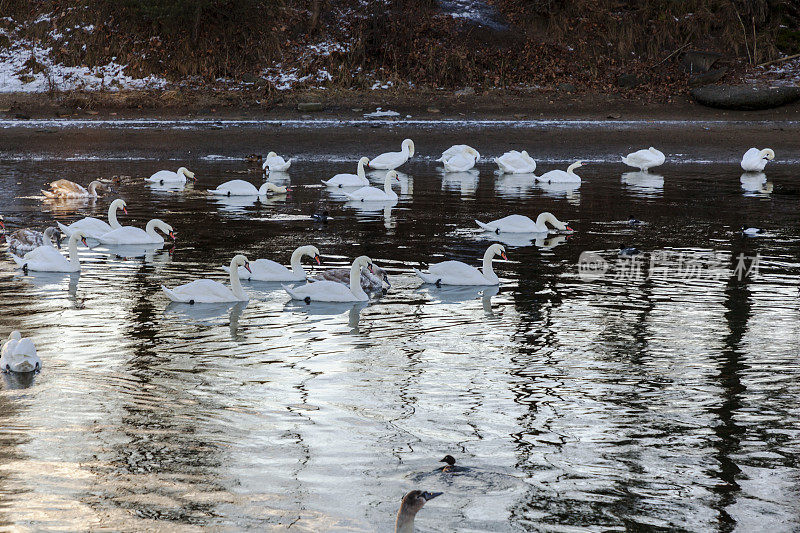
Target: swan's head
{"x":241,"y":261}
{"x":98,"y":186}
{"x":449,"y":459}
{"x":768,"y":154}
{"x":363,"y":161}
{"x":408,"y":144}
{"x":498,"y":249}
{"x":119,"y":203}
{"x":186,"y":173}
{"x":577,"y":164}
{"x":15,"y":336}
{"x":392,"y":174}
{"x":53,"y":233}
{"x":364,"y":261}
{"x":78,"y":236}
{"x":272,"y":154}
{"x":312,"y":252}
{"x":416,"y":500}
{"x":473,"y":152}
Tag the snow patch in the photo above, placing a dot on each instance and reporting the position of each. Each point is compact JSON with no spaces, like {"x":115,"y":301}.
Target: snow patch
{"x":380,"y":113}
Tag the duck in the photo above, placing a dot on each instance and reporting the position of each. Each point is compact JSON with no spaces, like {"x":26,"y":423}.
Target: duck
{"x":207,"y":291}
{"x":267,"y":270}
{"x":409,"y":507}
{"x":370,"y":281}
{"x":333,"y":291}
{"x":450,"y":463}
{"x":644,"y":159}
{"x":458,"y":149}
{"x":372,"y":194}
{"x":754,"y":160}
{"x":275,"y":163}
{"x":392,"y":160}
{"x":47,"y":259}
{"x":69,"y":189}
{"x":245,"y":188}
{"x":523,"y":224}
{"x":350,"y":180}
{"x":132,"y":235}
{"x":322,"y":218}
{"x":458,"y":273}
{"x":23,"y":241}
{"x":19,"y":355}
{"x":632,"y":221}
{"x":628,"y":251}
{"x":167,"y":176}
{"x":461,"y":162}
{"x":559,"y":176}
{"x":752,"y":232}
{"x":515,"y":162}
{"x":253,"y":158}
{"x":94,"y":227}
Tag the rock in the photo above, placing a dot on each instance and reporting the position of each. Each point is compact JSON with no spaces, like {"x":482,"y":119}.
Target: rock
{"x":250,"y":78}
{"x":698,"y":61}
{"x":745,"y":97}
{"x":628,"y":81}
{"x":309,"y":106}
{"x":566,"y":88}
{"x":433,"y":110}
{"x":707,"y":78}
{"x":466,"y":91}
{"x":357,"y":110}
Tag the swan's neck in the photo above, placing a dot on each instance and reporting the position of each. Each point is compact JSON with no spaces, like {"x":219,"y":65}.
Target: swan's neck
{"x":488,"y":270}
{"x":236,"y":283}
{"x":387,"y":185}
{"x":355,"y":282}
{"x":93,"y":189}
{"x":544,"y":218}
{"x":296,"y":262}
{"x":112,"y":217}
{"x":150,"y":229}
{"x":360,"y":172}
{"x":73,"y":253}
{"x":572,"y":167}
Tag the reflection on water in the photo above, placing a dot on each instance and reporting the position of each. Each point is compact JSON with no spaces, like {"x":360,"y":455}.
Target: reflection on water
{"x":619,"y":403}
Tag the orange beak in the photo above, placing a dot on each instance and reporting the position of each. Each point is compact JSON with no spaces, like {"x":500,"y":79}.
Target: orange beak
{"x":397,"y":178}
{"x":83,"y":240}
{"x":2,"y":225}
{"x":570,"y":229}
{"x":172,"y":235}
{"x":317,"y":259}
{"x":369,"y":266}
{"x":504,"y":256}
{"x":124,"y":210}
{"x":247,"y":266}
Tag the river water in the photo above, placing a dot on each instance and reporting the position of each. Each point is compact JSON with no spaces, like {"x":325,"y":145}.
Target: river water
{"x":640,"y":399}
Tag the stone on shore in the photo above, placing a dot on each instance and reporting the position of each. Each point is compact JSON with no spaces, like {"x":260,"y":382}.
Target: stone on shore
{"x":309,"y":106}
{"x":745,"y":97}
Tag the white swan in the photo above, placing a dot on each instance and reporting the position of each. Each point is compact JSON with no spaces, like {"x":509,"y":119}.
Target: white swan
{"x":48,"y":259}
{"x":333,"y":291}
{"x":275,"y":163}
{"x":372,"y":194}
{"x":458,"y":149}
{"x":94,"y":227}
{"x":70,"y":189}
{"x":350,"y":180}
{"x":559,"y":176}
{"x":461,"y":162}
{"x":523,"y":224}
{"x":267,"y":270}
{"x":207,"y":291}
{"x":754,"y":160}
{"x":19,"y":355}
{"x":23,"y":241}
{"x":132,"y":235}
{"x":515,"y":162}
{"x":458,"y":273}
{"x":644,"y":159}
{"x":167,"y":176}
{"x":371,"y":281}
{"x":245,"y":188}
{"x":392,"y":160}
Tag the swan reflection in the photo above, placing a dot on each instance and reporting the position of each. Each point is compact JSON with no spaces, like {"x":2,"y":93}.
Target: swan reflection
{"x":756,"y":184}
{"x":562,"y":189}
{"x":643,"y":183}
{"x":514,"y":185}
{"x":208,"y":313}
{"x":406,"y":181}
{"x":464,"y":182}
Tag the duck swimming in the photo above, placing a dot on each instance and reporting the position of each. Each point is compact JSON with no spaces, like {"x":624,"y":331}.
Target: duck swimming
{"x":633,"y":221}
{"x":628,"y":251}
{"x":410,"y":506}
{"x":321,"y":217}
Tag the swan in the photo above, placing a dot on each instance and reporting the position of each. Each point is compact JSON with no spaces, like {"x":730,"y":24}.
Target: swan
{"x":559,"y":176}
{"x":458,"y":273}
{"x":167,"y":176}
{"x":207,"y":291}
{"x":644,"y":159}
{"x":275,"y":163}
{"x":19,"y":355}
{"x":267,"y":270}
{"x":333,"y":291}
{"x":94,"y":227}
{"x":410,"y":506}
{"x":245,"y":188}
{"x":48,"y":259}
{"x":754,"y":160}
{"x":370,"y":281}
{"x":372,"y":194}
{"x":70,"y":189}
{"x":392,"y":160}
{"x":523,"y":224}
{"x":461,"y":162}
{"x":350,"y":180}
{"x":131,"y":235}
{"x":458,"y":149}
{"x":514,"y":162}
{"x":23,"y":241}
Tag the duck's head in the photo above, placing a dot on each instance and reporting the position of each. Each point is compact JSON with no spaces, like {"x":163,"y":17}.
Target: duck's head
{"x":186,"y":172}
{"x":416,"y":500}
{"x":449,"y":459}
{"x":241,"y":261}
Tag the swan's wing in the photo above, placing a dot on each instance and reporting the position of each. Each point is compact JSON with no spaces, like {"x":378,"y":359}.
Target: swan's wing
{"x":92,"y":227}
{"x":201,"y":291}
{"x":239,"y":187}
{"x":125,"y":235}
{"x":268,"y":270}
{"x":389,"y":160}
{"x":322,"y":291}
{"x":165,"y":175}
{"x":455,"y":273}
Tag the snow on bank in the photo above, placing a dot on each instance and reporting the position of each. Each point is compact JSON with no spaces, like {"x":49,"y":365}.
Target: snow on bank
{"x":26,"y":67}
